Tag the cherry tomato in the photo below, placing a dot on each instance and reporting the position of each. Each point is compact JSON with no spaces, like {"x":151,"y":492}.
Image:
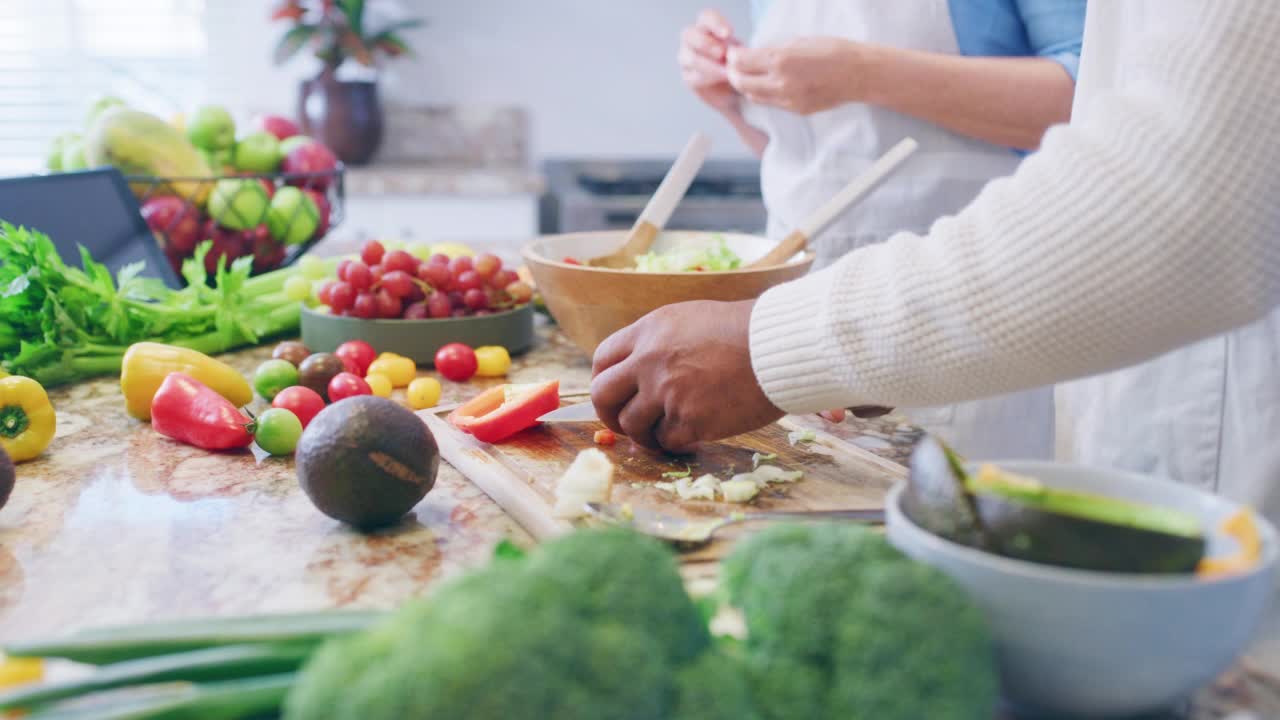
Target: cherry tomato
{"x":379,"y":384}
{"x":359,"y":352}
{"x":456,"y":362}
{"x":399,"y":370}
{"x":345,"y":385}
{"x":424,"y":392}
{"x":273,"y":376}
{"x":301,"y":401}
{"x":277,"y":431}
{"x":605,"y":437}
{"x":372,"y":252}
{"x":492,"y":361}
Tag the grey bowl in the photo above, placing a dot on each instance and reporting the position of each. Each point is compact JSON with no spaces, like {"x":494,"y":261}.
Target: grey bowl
{"x":1093,"y":644}
{"x":420,"y":339}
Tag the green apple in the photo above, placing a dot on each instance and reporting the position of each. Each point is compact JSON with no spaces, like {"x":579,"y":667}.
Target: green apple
{"x":73,"y":155}
{"x":288,"y":145}
{"x":238,"y":203}
{"x":259,"y":152}
{"x":211,"y":128}
{"x":293,"y":216}
{"x":53,"y":161}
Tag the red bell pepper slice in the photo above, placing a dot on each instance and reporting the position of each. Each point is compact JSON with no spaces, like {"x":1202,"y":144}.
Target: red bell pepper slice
{"x":188,"y":411}
{"x":491,"y":418}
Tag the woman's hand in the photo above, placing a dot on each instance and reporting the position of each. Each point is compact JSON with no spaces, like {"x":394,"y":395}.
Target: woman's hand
{"x":805,"y":76}
{"x":704,"y":45}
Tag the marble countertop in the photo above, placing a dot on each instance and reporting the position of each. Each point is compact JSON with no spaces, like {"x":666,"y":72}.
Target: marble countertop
{"x":115,"y":524}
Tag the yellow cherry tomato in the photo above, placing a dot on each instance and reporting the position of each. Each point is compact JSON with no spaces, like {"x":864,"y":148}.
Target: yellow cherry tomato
{"x":399,"y":370}
{"x":20,"y":671}
{"x":424,"y":393}
{"x":492,"y":361}
{"x":379,"y":384}
{"x":388,"y":356}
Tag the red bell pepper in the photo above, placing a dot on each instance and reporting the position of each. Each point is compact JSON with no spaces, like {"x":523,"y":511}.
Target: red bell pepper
{"x":189,"y":411}
{"x":492,"y":417}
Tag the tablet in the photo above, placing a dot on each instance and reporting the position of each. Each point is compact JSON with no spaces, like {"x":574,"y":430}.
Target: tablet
{"x":93,"y":208}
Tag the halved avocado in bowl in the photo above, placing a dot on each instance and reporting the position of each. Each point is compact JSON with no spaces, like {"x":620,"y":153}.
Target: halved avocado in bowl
{"x":1022,"y":518}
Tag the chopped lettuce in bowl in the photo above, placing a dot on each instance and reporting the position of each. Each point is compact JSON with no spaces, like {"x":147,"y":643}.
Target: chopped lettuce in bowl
{"x":718,"y":257}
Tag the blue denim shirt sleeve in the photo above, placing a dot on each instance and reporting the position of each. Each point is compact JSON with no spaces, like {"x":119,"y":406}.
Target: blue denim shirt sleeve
{"x":1050,"y":29}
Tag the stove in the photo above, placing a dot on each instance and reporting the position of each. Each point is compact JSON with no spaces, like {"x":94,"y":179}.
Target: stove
{"x":585,"y":195}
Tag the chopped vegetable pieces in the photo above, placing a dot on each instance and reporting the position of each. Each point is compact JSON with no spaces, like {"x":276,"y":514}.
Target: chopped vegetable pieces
{"x":795,"y":437}
{"x":739,"y":491}
{"x":1244,"y":530}
{"x":605,"y":437}
{"x":588,"y":479}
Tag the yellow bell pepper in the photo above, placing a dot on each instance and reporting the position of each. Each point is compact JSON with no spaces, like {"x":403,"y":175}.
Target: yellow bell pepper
{"x":147,"y":364}
{"x":27,"y":422}
{"x":20,"y":671}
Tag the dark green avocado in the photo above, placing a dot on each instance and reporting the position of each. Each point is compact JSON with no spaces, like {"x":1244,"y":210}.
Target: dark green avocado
{"x":1022,"y":518}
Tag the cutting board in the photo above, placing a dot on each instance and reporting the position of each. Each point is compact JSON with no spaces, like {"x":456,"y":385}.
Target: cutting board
{"x":520,"y":474}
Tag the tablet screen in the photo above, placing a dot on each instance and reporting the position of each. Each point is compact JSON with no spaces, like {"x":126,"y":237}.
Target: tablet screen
{"x":94,"y":209}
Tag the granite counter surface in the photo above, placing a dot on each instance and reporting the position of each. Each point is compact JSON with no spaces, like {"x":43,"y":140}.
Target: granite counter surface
{"x":115,"y":524}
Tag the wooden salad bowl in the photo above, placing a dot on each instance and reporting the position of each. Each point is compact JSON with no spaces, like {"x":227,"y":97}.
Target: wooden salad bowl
{"x":592,"y":303}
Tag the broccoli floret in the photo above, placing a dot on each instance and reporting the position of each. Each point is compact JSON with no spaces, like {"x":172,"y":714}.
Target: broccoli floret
{"x":581,"y":629}
{"x":911,"y":645}
{"x":629,"y":578}
{"x":792,"y":583}
{"x":714,"y":687}
{"x":840,"y":625}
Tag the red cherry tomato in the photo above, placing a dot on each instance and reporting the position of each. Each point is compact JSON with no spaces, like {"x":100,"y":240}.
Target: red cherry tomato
{"x":345,"y":385}
{"x":456,"y":362}
{"x":360,"y":353}
{"x":301,"y":401}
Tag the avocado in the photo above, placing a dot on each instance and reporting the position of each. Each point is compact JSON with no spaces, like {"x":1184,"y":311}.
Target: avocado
{"x":7,"y":477}
{"x":366,"y":461}
{"x":1022,"y":518}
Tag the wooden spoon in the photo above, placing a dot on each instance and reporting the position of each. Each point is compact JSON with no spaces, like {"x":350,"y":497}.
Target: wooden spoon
{"x":656,"y":214}
{"x":821,"y":218}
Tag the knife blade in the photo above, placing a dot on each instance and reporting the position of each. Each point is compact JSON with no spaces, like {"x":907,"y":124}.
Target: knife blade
{"x":578,"y":412}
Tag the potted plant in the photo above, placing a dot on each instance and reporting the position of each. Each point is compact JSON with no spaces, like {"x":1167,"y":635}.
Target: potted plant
{"x":346,"y":115}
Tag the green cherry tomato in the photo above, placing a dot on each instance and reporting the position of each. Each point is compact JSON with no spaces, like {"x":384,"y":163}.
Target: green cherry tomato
{"x":273,"y":376}
{"x":278,"y":431}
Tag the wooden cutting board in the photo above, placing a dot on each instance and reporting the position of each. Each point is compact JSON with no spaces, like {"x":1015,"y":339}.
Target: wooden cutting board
{"x":520,"y":474}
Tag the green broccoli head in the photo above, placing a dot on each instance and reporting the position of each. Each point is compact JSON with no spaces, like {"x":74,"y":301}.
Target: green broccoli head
{"x":911,"y":645}
{"x":581,"y":629}
{"x":792,"y":583}
{"x":629,"y":578}
{"x":714,"y":687}
{"x":841,"y":625}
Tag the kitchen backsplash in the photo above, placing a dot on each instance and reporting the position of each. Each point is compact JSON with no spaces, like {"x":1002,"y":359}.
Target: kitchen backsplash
{"x":467,"y":137}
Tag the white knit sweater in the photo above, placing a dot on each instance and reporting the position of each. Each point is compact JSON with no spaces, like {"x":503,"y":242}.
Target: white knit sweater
{"x":1149,"y":222}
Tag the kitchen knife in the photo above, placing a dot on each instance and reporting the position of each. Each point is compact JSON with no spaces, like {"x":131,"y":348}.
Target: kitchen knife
{"x":579,"y":412}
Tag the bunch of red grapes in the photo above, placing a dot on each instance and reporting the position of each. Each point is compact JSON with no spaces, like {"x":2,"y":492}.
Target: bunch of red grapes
{"x":395,"y":284}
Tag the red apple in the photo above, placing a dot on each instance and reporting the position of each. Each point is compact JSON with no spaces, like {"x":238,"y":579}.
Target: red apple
{"x":310,"y":157}
{"x":282,"y":127}
{"x":231,"y":243}
{"x":177,"y":220}
{"x":268,"y":252}
{"x":322,"y":204}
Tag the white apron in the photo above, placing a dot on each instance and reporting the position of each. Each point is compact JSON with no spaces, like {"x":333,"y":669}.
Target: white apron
{"x":809,"y":158}
{"x":1207,"y":414}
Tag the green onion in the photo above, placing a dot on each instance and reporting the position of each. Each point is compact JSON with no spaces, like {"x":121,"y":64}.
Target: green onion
{"x":230,"y":700}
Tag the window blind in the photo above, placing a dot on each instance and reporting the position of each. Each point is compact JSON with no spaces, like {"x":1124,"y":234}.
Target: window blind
{"x":58,"y":56}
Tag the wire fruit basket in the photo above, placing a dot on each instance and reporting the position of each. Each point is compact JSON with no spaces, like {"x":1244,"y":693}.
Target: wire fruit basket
{"x":272,"y":217}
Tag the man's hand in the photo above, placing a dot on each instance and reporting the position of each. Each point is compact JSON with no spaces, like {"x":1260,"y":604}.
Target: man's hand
{"x":805,"y":76}
{"x":681,"y":375}
{"x":703,"y":48}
